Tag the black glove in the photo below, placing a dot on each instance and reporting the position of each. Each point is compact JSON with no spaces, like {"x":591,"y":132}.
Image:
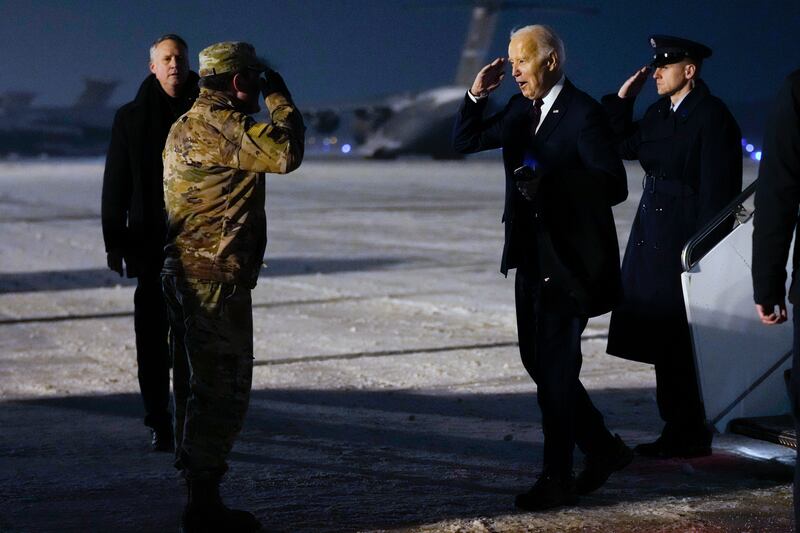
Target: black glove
{"x":114,"y":261}
{"x":272,"y":82}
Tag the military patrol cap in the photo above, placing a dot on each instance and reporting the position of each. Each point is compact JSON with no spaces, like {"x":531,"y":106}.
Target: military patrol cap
{"x":668,"y":49}
{"x":229,"y":56}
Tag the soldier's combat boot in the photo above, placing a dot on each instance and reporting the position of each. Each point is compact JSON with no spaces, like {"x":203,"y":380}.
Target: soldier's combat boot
{"x":205,"y":512}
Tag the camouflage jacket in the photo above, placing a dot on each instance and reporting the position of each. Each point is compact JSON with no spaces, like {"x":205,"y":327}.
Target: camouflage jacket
{"x":214,"y":164}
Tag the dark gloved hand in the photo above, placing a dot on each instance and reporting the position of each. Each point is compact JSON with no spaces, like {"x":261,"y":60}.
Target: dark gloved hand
{"x":131,"y":266}
{"x":271,"y":83}
{"x":114,"y":261}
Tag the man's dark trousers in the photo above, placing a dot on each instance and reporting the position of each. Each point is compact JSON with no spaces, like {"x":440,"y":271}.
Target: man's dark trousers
{"x":678,"y":396}
{"x":550,"y":346}
{"x":794,"y":393}
{"x":152,"y":349}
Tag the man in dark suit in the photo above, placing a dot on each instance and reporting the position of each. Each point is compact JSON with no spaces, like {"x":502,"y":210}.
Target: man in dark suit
{"x":560,"y":236}
{"x":776,"y":214}
{"x":689,"y":146}
{"x":134,"y":219}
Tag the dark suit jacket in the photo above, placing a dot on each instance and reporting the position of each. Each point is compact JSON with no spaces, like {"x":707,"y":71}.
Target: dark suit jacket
{"x":133,"y":215}
{"x":568,"y":229}
{"x":777,"y":200}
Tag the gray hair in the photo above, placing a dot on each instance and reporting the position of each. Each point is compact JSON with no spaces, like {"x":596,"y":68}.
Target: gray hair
{"x":547,"y":39}
{"x":166,"y":37}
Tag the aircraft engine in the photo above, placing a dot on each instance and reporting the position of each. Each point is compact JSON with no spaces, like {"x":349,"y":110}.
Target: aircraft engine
{"x":325,"y":121}
{"x":367,"y":120}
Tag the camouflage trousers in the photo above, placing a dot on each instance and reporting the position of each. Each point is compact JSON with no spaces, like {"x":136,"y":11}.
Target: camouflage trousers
{"x":211,"y":339}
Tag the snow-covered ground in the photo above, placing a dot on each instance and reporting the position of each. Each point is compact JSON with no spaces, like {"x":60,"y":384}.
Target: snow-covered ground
{"x":387,"y":394}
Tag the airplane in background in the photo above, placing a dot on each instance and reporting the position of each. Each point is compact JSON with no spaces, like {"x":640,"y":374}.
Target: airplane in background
{"x":408,"y":123}
{"x":418,"y":123}
{"x":82,"y":129}
{"x":404,"y":124}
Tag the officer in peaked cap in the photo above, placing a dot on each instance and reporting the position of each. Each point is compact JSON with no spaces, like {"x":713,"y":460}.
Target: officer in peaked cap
{"x":689,"y":146}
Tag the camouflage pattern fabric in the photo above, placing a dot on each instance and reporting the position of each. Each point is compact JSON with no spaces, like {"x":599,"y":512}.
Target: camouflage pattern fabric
{"x":212,"y":342}
{"x":229,"y":56}
{"x":214,"y":161}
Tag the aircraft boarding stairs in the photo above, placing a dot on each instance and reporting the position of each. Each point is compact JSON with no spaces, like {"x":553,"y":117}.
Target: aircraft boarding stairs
{"x":740,"y":362}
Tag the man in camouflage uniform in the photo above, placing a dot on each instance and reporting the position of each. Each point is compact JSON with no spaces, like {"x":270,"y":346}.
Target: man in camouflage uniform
{"x":214,"y":164}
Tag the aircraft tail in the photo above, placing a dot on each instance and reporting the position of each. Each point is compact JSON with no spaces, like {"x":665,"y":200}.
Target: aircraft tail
{"x":479,"y":38}
{"x":96,"y":93}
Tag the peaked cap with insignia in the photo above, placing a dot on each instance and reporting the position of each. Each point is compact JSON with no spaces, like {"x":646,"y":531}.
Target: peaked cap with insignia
{"x":668,"y":49}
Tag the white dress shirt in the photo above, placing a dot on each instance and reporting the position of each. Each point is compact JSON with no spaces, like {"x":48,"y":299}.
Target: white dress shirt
{"x":674,"y":107}
{"x":549,"y":99}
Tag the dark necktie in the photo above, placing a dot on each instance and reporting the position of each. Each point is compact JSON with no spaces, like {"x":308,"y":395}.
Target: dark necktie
{"x":535,"y":113}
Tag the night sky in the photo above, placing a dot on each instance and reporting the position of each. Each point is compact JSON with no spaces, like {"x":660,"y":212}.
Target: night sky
{"x":350,"y":50}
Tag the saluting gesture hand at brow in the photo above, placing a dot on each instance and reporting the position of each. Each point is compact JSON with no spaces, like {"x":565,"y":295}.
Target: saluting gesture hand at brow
{"x":634,"y":84}
{"x":489,"y":78}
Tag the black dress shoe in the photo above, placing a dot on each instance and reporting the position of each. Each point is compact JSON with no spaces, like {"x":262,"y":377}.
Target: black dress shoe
{"x":600,"y":466}
{"x":163,"y":440}
{"x":664,"y":448}
{"x":548,"y":492}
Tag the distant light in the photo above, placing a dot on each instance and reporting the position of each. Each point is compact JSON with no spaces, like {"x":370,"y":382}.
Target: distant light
{"x":753,"y":157}
{"x":758,"y":156}
{"x":325,"y":141}
{"x":311,"y":140}
{"x":346,"y":149}
{"x":744,"y":141}
{"x":749,"y":148}
{"x":334,"y":140}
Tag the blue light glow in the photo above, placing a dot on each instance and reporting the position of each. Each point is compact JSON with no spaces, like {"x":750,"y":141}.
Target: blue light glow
{"x":749,"y":148}
{"x":744,"y":142}
{"x":346,"y":148}
{"x":758,"y":156}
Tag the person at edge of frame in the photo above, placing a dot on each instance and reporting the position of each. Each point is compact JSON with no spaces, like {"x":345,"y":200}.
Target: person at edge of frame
{"x":775,"y":222}
{"x":562,"y":177}
{"x":215,"y":161}
{"x":134,"y":220}
{"x":689,"y":146}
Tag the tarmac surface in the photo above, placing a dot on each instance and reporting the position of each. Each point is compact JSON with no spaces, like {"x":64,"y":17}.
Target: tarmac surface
{"x":388,"y":394}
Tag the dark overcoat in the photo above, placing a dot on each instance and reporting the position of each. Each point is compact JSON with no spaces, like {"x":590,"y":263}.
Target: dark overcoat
{"x":693,"y":162}
{"x":777,"y":200}
{"x":132,"y":211}
{"x":569,"y":227}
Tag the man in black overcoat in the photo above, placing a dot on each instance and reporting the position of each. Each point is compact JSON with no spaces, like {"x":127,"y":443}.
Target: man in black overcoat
{"x":689,"y":146}
{"x":134,"y":220}
{"x":560,"y":236}
{"x":777,"y":204}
